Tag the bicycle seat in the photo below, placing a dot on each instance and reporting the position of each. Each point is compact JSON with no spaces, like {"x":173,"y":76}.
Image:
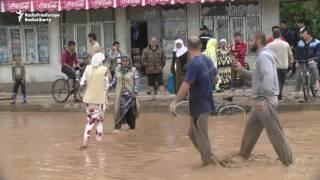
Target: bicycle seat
{"x":228,"y":99}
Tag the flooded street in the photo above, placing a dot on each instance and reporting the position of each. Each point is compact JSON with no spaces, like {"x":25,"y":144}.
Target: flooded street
{"x":45,"y":146}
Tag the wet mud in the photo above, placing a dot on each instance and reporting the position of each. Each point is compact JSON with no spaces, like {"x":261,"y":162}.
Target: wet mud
{"x":45,"y":146}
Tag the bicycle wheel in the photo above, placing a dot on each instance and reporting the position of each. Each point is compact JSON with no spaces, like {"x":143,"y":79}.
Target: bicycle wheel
{"x":60,"y":90}
{"x":231,"y":110}
{"x":306,"y":87}
{"x":80,"y":91}
{"x":182,"y":108}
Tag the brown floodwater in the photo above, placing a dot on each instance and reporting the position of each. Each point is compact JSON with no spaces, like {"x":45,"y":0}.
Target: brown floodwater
{"x":45,"y":146}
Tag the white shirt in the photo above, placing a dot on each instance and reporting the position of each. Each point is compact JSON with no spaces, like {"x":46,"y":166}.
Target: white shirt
{"x":283,"y":52}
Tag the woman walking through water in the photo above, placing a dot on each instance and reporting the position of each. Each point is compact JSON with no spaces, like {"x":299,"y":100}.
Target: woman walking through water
{"x":179,"y":60}
{"x":95,"y":78}
{"x":127,"y":83}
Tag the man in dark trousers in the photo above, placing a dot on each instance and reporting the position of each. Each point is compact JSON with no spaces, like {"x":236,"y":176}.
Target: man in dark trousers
{"x":199,"y":82}
{"x":265,"y":89}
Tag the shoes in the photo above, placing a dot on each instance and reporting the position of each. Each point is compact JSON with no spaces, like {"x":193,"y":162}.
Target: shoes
{"x":297,"y":96}
{"x":13,"y":102}
{"x":24,"y":102}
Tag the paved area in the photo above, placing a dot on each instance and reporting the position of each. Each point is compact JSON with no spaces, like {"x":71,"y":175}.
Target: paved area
{"x":45,"y":146}
{"x":45,"y":103}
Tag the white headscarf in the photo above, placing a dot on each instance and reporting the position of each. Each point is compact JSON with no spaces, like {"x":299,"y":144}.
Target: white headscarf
{"x":97,"y":60}
{"x":181,"y":51}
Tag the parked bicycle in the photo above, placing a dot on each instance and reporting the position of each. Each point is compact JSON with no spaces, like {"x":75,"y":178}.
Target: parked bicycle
{"x":224,"y":108}
{"x":307,"y":81}
{"x":61,"y":90}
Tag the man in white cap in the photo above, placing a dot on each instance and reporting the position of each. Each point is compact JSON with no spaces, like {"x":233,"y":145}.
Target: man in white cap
{"x":96,"y":80}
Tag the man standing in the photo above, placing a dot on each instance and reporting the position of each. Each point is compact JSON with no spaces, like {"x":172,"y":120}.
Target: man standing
{"x":94,"y":46}
{"x":199,"y":83}
{"x":153,"y":59}
{"x":287,"y":34}
{"x":265,"y":89}
{"x":239,"y":51}
{"x":204,"y":37}
{"x":308,"y":49}
{"x":114,"y":57}
{"x":69,"y":61}
{"x":284,"y":56}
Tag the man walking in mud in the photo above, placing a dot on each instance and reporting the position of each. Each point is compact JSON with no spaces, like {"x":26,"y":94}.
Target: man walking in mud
{"x":265,"y":90}
{"x":199,"y":82}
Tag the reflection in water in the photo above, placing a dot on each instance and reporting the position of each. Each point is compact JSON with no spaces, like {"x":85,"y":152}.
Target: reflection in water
{"x":45,"y":146}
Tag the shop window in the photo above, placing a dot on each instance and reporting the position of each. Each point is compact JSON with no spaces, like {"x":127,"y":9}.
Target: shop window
{"x":224,"y":19}
{"x":4,"y":51}
{"x":30,"y":43}
{"x":43,"y":44}
{"x":108,"y":35}
{"x":174,"y":27}
{"x":100,"y":22}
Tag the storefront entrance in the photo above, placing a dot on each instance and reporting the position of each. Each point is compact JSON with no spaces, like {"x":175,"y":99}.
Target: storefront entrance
{"x":139,"y":40}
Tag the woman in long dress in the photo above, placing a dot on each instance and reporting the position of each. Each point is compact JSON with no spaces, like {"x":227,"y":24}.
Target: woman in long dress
{"x":95,"y":78}
{"x":224,"y":62}
{"x":179,"y":60}
{"x":126,"y":79}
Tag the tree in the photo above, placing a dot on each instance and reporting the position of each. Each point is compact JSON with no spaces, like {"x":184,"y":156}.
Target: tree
{"x":307,"y":10}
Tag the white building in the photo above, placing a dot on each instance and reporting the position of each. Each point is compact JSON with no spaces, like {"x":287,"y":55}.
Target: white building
{"x":40,"y":45}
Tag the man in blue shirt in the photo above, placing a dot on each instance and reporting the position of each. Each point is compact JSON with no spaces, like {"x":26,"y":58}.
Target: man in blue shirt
{"x":199,"y":82}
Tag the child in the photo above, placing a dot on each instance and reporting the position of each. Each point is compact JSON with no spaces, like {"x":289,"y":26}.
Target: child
{"x":19,"y":79}
{"x":95,"y":78}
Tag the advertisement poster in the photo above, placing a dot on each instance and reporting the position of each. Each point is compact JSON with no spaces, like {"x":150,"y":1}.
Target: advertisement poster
{"x":43,"y":44}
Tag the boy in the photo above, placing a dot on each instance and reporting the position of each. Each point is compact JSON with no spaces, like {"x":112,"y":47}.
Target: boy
{"x":19,"y":79}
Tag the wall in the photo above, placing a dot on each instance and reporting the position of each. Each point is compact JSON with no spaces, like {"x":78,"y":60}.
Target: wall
{"x":270,"y":15}
{"x":40,"y":72}
{"x":193,"y":18}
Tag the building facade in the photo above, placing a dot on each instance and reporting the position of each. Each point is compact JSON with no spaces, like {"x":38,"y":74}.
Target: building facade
{"x":40,"y":44}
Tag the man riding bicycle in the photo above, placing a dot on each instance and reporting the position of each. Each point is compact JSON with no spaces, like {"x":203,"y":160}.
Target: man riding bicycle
{"x":308,"y":49}
{"x":69,"y":62}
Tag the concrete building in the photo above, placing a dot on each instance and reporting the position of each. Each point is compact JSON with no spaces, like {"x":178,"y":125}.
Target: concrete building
{"x":40,"y":44}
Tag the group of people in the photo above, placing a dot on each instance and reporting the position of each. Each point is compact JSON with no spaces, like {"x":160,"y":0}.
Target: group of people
{"x":293,"y":51}
{"x":200,"y":77}
{"x":100,"y":75}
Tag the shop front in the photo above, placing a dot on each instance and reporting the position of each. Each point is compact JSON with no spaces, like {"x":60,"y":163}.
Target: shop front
{"x":131,"y":22}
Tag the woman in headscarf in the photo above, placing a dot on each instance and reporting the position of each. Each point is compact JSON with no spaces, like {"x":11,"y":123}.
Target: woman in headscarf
{"x":127,"y":83}
{"x":212,"y":54}
{"x":224,"y":64}
{"x":211,"y":51}
{"x":179,"y":60}
{"x":95,"y":78}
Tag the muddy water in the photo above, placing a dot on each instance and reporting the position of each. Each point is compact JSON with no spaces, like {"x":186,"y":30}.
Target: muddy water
{"x":45,"y":146}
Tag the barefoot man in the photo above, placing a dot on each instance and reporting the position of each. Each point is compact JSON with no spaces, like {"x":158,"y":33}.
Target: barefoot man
{"x":199,"y":82}
{"x":265,"y":90}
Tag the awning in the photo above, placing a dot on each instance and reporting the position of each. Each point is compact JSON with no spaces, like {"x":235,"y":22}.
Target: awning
{"x":58,"y":5}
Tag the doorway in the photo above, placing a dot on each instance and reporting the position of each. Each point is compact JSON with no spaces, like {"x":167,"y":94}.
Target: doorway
{"x":139,"y":40}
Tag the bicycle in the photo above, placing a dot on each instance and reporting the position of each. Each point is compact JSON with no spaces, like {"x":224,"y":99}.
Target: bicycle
{"x":61,"y":90}
{"x":226,"y":107}
{"x":307,"y":81}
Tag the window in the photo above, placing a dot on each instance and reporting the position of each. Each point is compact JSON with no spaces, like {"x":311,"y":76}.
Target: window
{"x":78,"y":24}
{"x":225,"y":18}
{"x":174,"y":27}
{"x":30,"y":43}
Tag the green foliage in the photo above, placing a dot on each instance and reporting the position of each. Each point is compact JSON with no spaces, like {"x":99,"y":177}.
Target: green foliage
{"x":308,"y":10}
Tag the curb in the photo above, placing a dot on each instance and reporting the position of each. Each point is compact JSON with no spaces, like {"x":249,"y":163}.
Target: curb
{"x":146,"y":107}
